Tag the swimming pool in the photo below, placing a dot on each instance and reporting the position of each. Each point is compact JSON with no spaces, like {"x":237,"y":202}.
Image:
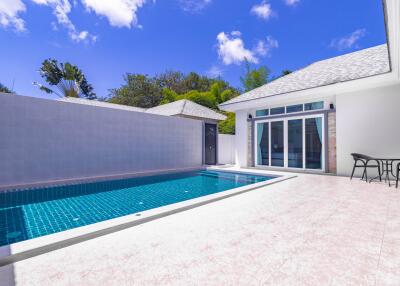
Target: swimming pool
{"x":31,"y":213}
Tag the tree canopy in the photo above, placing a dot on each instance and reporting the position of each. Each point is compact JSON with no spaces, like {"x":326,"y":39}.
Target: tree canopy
{"x":65,"y":80}
{"x":5,"y":89}
{"x":217,"y":93}
{"x":254,"y":77}
{"x":139,"y":90}
{"x":146,"y":91}
{"x":149,"y":91}
{"x":286,"y":72}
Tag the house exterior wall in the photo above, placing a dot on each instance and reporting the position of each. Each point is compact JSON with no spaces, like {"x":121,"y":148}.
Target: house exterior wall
{"x":367,"y":122}
{"x":45,"y":140}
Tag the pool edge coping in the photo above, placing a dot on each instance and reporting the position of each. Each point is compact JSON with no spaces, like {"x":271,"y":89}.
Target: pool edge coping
{"x":99,"y":178}
{"x":33,"y":247}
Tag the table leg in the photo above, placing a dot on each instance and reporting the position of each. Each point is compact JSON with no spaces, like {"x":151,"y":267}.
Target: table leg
{"x":379,"y":175}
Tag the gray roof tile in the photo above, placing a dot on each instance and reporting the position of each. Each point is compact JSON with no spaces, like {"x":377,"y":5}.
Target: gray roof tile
{"x":186,"y":108}
{"x":356,"y":65}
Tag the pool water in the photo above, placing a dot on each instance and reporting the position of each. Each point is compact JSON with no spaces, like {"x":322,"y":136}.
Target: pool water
{"x":26,"y":214}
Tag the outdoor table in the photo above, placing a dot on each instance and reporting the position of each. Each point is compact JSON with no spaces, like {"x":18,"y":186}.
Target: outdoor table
{"x":387,"y":168}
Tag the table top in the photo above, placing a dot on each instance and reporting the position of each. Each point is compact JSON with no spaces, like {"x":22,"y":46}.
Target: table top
{"x":385,"y":159}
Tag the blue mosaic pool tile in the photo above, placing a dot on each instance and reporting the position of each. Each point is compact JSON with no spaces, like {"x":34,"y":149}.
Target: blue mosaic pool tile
{"x":26,"y":214}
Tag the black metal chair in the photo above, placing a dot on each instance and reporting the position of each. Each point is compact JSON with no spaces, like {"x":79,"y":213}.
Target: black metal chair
{"x":362,"y":161}
{"x":397,"y":175}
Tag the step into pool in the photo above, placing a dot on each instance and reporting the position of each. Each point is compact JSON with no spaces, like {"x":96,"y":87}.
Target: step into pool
{"x":31,"y":213}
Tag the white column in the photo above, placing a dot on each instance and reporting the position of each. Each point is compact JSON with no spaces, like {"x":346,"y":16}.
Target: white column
{"x":241,"y":138}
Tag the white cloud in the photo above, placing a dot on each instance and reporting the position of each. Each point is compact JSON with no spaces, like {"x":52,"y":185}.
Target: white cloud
{"x":264,"y":48}
{"x":232,"y":51}
{"x":194,"y":6}
{"x":262,"y":10}
{"x":61,"y":9}
{"x":120,"y":13}
{"x":291,"y":2}
{"x":215,"y":71}
{"x":83,"y":36}
{"x":231,"y":48}
{"x":236,"y":33}
{"x":349,"y":41}
{"x":9,"y":14}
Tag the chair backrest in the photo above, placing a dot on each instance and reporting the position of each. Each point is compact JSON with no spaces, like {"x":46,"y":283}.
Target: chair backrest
{"x":358,"y":156}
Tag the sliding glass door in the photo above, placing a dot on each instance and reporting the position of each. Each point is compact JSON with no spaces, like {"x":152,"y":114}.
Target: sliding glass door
{"x":294,"y":142}
{"x":314,"y":143}
{"x":263,"y":144}
{"x":277,"y":144}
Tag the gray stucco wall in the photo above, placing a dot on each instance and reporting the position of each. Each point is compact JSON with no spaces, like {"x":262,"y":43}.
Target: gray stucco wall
{"x":44,"y":140}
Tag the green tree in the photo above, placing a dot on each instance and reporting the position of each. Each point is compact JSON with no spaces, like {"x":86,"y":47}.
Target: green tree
{"x":138,"y":90}
{"x":286,"y":72}
{"x":228,"y":125}
{"x":169,"y":96}
{"x":217,"y":94}
{"x":254,"y":78}
{"x":65,"y":80}
{"x":206,"y":99}
{"x":171,"y":80}
{"x":5,"y":89}
{"x":183,"y":83}
{"x":283,"y":73}
{"x":146,"y":92}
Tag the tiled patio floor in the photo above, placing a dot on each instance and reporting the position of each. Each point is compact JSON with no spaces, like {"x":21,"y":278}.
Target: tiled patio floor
{"x":310,"y":230}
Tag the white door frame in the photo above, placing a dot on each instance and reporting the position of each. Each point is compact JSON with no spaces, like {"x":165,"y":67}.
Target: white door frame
{"x":285,"y":140}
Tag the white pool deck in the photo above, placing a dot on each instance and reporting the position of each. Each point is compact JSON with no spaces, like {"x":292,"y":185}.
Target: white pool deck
{"x":309,"y":230}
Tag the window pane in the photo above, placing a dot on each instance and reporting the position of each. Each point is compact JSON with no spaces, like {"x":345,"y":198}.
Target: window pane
{"x":277,"y":110}
{"x":262,"y":112}
{"x":294,"y":108}
{"x":277,"y":149}
{"x":314,"y":143}
{"x":314,"y":105}
{"x":262,"y":144}
{"x":295,"y":143}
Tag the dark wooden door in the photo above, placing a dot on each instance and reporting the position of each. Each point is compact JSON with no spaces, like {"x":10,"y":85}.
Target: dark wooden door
{"x":210,"y":139}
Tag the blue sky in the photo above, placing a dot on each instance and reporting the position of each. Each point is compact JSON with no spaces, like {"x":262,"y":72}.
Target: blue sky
{"x":107,"y":38}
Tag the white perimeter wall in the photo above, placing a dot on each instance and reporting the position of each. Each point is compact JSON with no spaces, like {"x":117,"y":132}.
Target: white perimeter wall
{"x":367,"y":122}
{"x":226,"y":149}
{"x":45,"y":140}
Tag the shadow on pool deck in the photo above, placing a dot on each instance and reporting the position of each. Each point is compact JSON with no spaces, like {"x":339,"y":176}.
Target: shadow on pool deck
{"x":12,"y":229}
{"x":7,"y":275}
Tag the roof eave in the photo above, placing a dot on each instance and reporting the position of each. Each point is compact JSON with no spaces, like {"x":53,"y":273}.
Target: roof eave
{"x":384,"y":79}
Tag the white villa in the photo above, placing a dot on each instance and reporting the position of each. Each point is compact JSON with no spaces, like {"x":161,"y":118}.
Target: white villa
{"x":312,"y":119}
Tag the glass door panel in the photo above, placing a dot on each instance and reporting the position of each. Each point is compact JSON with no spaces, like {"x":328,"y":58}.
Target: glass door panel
{"x":263,"y":144}
{"x":277,"y":144}
{"x":295,"y":143}
{"x":313,"y":143}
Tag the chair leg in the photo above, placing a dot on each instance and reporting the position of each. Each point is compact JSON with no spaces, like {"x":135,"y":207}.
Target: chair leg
{"x":379,"y":171}
{"x":366,"y":176}
{"x":352,"y":173}
{"x":397,"y":178}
